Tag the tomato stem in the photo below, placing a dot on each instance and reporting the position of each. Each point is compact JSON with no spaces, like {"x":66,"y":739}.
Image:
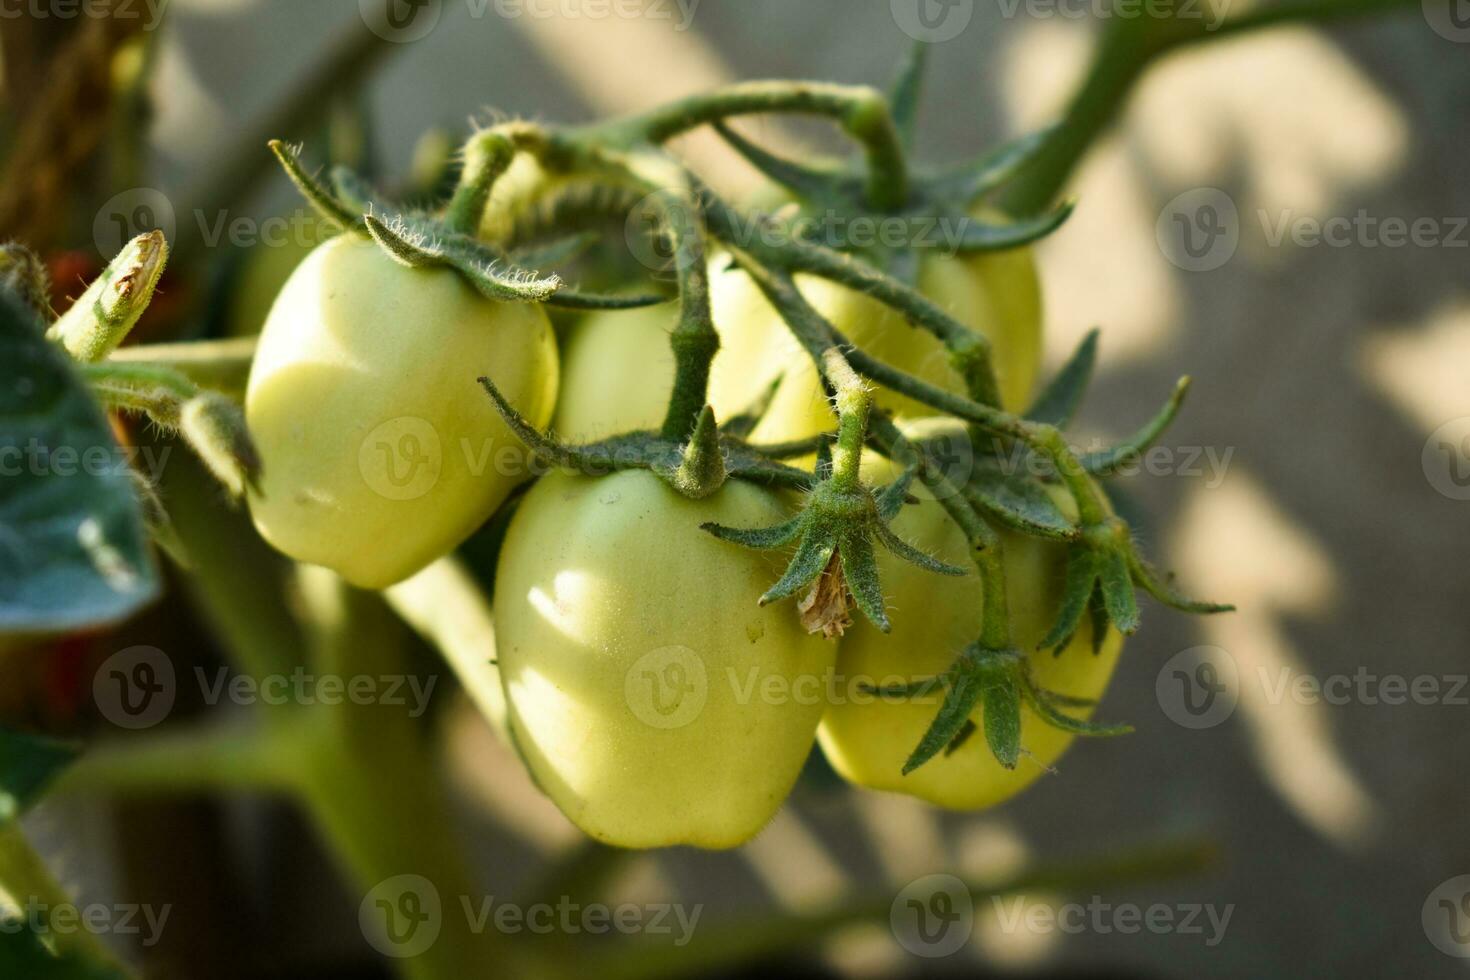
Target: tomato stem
{"x":861,"y":111}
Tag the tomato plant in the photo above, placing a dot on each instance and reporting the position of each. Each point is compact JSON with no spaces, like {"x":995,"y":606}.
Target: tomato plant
{"x":379,"y":452}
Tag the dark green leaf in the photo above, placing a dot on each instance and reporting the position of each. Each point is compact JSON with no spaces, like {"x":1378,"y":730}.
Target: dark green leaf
{"x":73,"y":549}
{"x":27,"y":764}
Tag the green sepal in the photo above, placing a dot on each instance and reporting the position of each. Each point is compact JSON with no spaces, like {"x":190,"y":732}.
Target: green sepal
{"x":408,"y":243}
{"x":808,"y":183}
{"x":1001,"y":706}
{"x":982,"y":236}
{"x":1106,"y":462}
{"x":860,"y":569}
{"x":1076,"y":593}
{"x":1156,"y":586}
{"x":906,"y":92}
{"x":1058,"y":403}
{"x":964,"y":690}
{"x":322,"y":198}
{"x":1117,"y":589}
{"x":1018,"y":503}
{"x":971,"y":181}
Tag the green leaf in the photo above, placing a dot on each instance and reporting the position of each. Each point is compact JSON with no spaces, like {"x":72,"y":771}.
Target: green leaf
{"x":1058,"y":403}
{"x":27,"y":764}
{"x":1019,"y":503}
{"x":73,"y":549}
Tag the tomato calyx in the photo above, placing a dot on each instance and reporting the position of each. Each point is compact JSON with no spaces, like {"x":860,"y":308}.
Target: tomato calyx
{"x":420,"y":239}
{"x":834,"y":533}
{"x":695,"y":468}
{"x":999,"y":682}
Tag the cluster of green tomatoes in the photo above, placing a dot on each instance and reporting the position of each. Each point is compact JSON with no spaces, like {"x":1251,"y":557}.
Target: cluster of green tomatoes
{"x":722,"y":501}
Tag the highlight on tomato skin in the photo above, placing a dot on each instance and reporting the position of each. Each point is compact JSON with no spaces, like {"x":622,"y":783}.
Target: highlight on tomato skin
{"x":379,"y":451}
{"x":637,"y":662}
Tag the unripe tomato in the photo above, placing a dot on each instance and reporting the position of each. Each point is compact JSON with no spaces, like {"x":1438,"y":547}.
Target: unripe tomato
{"x":618,"y":367}
{"x":867,"y":739}
{"x":267,"y":267}
{"x":379,"y":449}
{"x":653,"y":700}
{"x":996,"y":293}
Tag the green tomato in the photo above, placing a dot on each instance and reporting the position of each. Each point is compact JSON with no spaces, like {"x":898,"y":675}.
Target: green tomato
{"x":653,"y":700}
{"x":995,"y":293}
{"x":867,"y":740}
{"x":379,"y":450}
{"x":266,"y":269}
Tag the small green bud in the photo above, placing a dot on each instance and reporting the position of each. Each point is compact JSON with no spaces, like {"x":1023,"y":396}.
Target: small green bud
{"x":215,"y":428}
{"x":99,"y":321}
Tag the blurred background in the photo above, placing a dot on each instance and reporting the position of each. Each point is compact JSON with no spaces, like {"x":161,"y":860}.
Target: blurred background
{"x":1313,"y":479}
